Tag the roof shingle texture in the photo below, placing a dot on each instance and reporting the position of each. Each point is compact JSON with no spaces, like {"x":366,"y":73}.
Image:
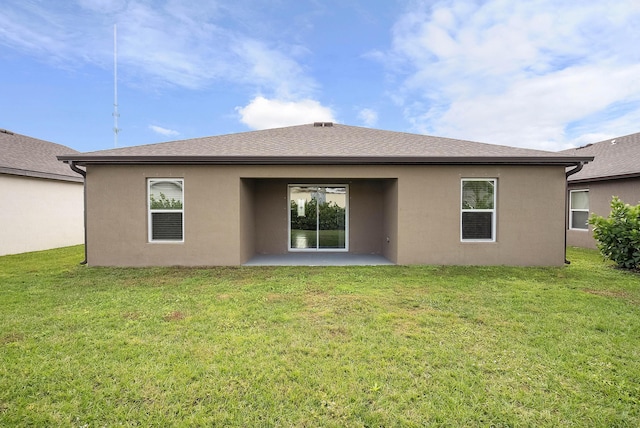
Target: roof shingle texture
{"x":317,"y":141}
{"x":22,"y":155}
{"x":614,"y":158}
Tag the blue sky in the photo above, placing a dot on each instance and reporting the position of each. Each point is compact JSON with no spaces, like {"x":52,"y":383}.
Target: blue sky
{"x":544,"y":74}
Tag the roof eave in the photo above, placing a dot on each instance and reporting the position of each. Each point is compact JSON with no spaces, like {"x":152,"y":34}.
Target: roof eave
{"x":605,"y":178}
{"x":324,"y":160}
{"x":40,"y":174}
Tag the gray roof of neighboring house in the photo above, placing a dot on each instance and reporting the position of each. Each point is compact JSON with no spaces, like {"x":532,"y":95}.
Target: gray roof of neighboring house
{"x":322,"y":143}
{"x":26,"y":156}
{"x":614,"y":158}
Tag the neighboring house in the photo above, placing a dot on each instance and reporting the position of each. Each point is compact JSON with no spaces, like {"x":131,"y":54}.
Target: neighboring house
{"x":615,"y":171}
{"x":41,"y":201}
{"x":319,"y":188}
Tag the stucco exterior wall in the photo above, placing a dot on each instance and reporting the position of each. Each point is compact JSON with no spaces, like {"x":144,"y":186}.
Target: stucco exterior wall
{"x":600,"y":194}
{"x":39,"y":214}
{"x":117,"y":218}
{"x":247,"y":220}
{"x":529,"y":227}
{"x":410,"y":214}
{"x":390,"y":224}
{"x":270,"y":216}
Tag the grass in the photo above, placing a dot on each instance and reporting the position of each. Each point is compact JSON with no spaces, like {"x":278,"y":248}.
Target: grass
{"x":318,"y":346}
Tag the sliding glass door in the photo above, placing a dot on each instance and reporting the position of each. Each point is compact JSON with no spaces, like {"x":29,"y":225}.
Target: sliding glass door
{"x":318,"y":217}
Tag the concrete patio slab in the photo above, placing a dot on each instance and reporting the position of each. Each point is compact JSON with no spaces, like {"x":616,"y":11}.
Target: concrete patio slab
{"x":318,"y":259}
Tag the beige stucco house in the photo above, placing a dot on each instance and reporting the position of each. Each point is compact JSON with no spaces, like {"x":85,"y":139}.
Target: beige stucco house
{"x":615,"y":171}
{"x":41,"y":200}
{"x":320,"y":189}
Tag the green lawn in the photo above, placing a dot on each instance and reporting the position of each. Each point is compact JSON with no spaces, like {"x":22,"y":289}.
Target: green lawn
{"x":318,"y":346}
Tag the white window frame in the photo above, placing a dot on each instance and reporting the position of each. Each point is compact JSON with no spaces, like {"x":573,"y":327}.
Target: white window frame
{"x":493,"y":211}
{"x":346,"y":220}
{"x":151,"y":211}
{"x":572,"y":210}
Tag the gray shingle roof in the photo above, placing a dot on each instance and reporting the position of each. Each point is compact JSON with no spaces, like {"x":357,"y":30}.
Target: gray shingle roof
{"x":310,"y":143}
{"x":26,"y":156}
{"x":614,"y":158}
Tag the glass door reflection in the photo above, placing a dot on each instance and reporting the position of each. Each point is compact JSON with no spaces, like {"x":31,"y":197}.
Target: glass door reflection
{"x":332,"y":208}
{"x":318,"y":217}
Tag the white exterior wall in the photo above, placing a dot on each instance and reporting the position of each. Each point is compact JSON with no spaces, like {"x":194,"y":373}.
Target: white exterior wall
{"x":39,"y":214}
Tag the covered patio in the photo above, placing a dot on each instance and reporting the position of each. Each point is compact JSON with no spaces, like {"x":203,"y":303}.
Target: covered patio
{"x":290,"y":221}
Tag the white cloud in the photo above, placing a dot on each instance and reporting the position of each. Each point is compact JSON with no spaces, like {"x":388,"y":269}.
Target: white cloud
{"x":102,"y":6}
{"x":163,"y":131}
{"x":22,"y":27}
{"x":536,"y":111}
{"x":274,"y":70}
{"x":263,"y":113}
{"x":517,"y":73}
{"x":170,"y":46}
{"x":186,"y":44}
{"x":368,"y":116}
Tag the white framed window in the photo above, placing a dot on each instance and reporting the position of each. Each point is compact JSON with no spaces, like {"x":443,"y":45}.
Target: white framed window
{"x":165,"y":201}
{"x":579,"y":209}
{"x":478,"y":209}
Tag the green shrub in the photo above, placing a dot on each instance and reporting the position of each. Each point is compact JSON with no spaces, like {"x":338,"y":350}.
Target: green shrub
{"x":330,"y":215}
{"x":164,"y":203}
{"x":618,"y":235}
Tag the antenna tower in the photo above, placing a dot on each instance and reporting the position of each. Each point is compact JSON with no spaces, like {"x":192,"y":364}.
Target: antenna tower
{"x":116,"y":115}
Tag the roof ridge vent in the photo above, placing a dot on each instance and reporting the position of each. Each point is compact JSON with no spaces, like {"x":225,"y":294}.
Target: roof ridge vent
{"x":6,"y":131}
{"x":322,"y":124}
